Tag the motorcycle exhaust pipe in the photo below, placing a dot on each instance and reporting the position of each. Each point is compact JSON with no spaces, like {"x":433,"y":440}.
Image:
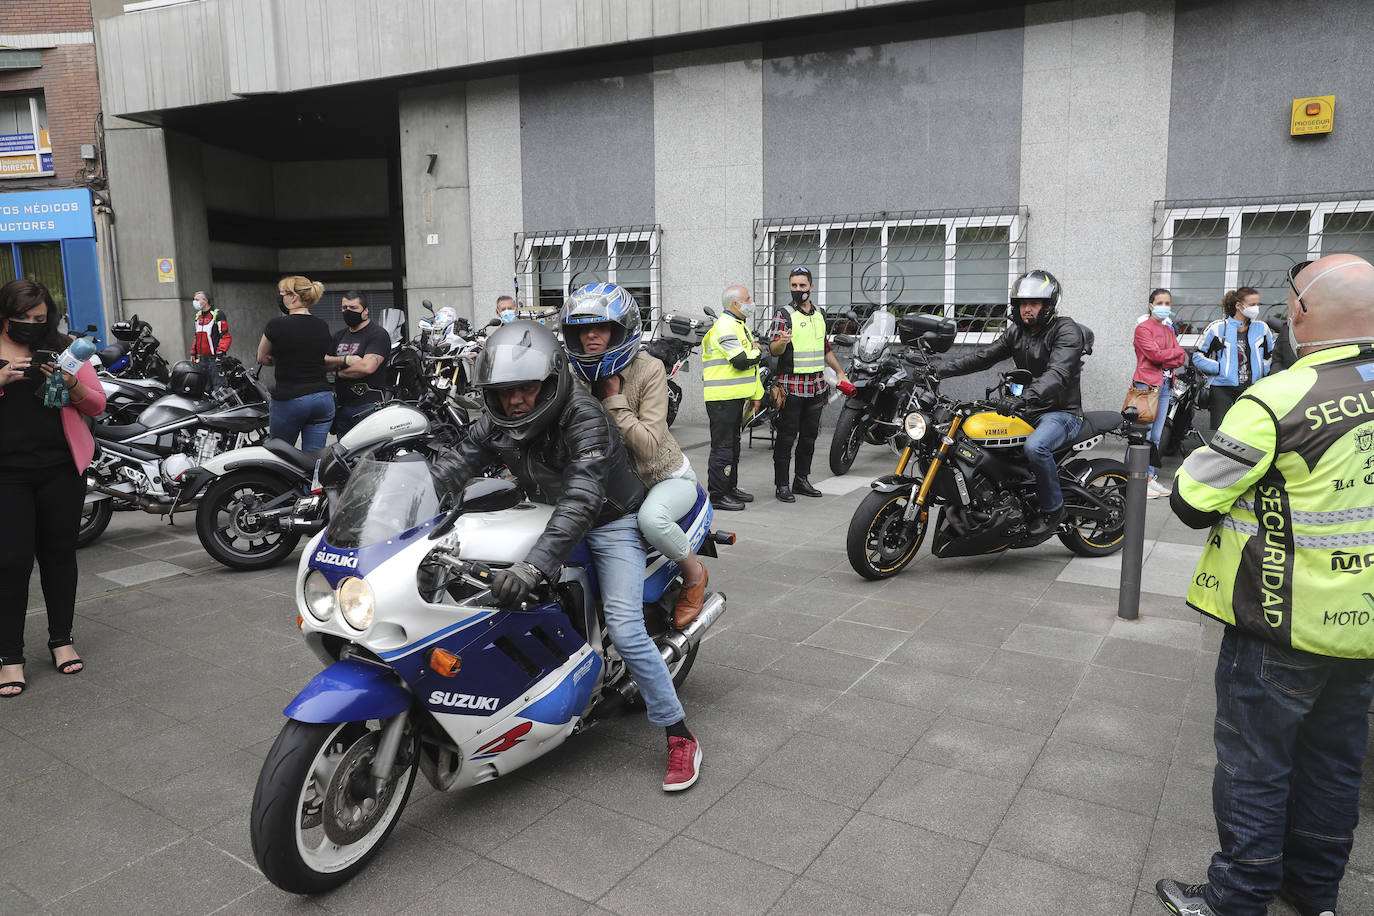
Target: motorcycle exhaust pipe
{"x":146,"y":503}
{"x":677,"y":643}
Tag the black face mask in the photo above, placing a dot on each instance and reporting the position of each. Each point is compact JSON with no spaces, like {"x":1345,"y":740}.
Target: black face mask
{"x":26,"y":334}
{"x":800,"y":295}
{"x":284,"y":309}
{"x":353,"y":319}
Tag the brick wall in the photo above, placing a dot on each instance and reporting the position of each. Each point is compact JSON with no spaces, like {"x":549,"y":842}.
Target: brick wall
{"x":21,"y":16}
{"x":72,"y":96}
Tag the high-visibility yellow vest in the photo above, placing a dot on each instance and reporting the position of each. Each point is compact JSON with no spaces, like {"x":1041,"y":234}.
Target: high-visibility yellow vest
{"x":807,"y":356}
{"x":1291,"y":559}
{"x":721,"y":381}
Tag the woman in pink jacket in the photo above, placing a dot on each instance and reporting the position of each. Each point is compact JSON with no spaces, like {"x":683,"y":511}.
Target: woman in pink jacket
{"x":1157,"y":355}
{"x":44,"y":452}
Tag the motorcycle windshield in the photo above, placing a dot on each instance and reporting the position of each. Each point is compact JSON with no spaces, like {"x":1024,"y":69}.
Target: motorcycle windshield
{"x":875,"y":335}
{"x":382,"y":500}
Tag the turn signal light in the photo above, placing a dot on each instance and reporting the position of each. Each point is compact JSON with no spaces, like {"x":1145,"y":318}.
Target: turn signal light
{"x":300,"y":621}
{"x":723,"y":537}
{"x":444,"y":663}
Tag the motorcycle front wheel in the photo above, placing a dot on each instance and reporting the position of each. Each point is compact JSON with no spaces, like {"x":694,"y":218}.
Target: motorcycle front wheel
{"x":1091,"y":537}
{"x":844,"y":445}
{"x":227,"y":529}
{"x":880,"y":543}
{"x":95,"y":518}
{"x":317,"y":816}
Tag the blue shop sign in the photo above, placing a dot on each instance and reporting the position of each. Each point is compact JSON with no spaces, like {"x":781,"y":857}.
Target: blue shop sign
{"x":17,"y":143}
{"x":43,"y":216}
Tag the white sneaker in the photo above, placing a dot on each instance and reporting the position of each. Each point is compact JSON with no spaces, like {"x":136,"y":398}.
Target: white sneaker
{"x":1155,"y":489}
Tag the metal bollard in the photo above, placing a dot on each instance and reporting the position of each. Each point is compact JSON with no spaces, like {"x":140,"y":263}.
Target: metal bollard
{"x":1132,"y":552}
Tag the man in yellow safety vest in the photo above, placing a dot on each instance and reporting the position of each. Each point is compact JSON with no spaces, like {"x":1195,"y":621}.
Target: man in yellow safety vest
{"x":730,"y":379}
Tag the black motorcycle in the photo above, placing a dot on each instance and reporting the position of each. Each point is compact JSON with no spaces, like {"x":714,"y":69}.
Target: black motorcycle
{"x":1184,"y":429}
{"x":673,"y":342}
{"x":885,"y":376}
{"x":132,"y":372}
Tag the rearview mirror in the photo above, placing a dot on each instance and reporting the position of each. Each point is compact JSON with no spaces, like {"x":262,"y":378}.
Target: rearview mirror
{"x":711,"y":312}
{"x":427,"y":305}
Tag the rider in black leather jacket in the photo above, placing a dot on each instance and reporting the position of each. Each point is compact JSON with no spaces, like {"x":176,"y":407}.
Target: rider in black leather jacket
{"x":567,"y":452}
{"x":1051,"y":347}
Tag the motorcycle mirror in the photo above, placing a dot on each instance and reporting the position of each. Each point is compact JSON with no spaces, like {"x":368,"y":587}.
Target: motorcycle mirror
{"x":494,"y":323}
{"x":711,"y":312}
{"x":427,"y":305}
{"x":1018,"y":377}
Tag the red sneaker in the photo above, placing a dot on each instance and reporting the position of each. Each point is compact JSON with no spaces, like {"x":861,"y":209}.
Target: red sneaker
{"x":684,"y":764}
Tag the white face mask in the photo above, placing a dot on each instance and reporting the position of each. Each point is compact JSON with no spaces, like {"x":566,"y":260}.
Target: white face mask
{"x":1251,"y":312}
{"x":745,"y":307}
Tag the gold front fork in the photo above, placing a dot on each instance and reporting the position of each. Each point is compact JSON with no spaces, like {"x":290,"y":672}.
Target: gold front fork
{"x":935,"y":462}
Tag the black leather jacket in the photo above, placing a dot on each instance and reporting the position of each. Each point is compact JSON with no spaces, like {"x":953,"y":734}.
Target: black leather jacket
{"x":578,"y":465}
{"x":1054,"y":355}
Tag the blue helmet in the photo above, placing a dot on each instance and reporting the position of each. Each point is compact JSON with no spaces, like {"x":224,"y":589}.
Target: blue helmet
{"x":601,"y":303}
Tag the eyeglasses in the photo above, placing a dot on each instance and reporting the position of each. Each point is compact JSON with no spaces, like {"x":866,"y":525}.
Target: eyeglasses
{"x":1292,"y":277}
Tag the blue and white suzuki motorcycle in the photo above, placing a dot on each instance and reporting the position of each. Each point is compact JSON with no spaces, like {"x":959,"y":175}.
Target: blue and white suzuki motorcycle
{"x":426,"y":674}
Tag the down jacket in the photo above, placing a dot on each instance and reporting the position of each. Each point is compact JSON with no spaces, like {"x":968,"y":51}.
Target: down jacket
{"x":1053,"y":355}
{"x":577,"y":465}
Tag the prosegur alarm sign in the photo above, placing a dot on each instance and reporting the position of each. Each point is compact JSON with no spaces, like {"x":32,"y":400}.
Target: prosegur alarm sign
{"x":38,"y":216}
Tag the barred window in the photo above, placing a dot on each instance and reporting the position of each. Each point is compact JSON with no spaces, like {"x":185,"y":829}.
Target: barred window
{"x":957,"y":263}
{"x":550,"y":265}
{"x":1202,"y":249}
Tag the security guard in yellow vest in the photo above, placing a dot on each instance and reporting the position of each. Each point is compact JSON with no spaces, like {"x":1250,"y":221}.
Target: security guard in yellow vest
{"x":1287,"y":489}
{"x":730,"y":379}
{"x":798,"y":340}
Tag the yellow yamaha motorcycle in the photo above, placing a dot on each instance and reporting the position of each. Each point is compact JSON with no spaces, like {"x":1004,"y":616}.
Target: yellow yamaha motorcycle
{"x":964,"y":461}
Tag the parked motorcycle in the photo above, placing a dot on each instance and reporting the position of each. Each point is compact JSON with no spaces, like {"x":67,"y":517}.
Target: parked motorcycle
{"x":1181,"y":434}
{"x":969,"y":465}
{"x":137,"y":465}
{"x":258,"y":501}
{"x":426,"y":674}
{"x":885,"y":378}
{"x":675,"y":338}
{"x":132,"y":372}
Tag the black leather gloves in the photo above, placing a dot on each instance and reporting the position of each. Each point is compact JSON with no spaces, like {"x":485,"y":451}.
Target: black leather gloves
{"x":512,"y":586}
{"x":1011,"y":406}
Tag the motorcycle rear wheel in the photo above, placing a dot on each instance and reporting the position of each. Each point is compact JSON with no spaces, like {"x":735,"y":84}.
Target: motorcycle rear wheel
{"x":316,"y":821}
{"x":1094,"y":537}
{"x":880,"y":544}
{"x":227,"y":537}
{"x":95,"y":518}
{"x":846,"y":442}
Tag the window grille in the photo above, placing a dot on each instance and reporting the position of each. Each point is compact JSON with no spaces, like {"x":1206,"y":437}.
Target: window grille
{"x":957,"y":263}
{"x":550,"y":265}
{"x":1202,"y":249}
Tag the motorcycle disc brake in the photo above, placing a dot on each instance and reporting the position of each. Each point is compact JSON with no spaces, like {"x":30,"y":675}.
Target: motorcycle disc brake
{"x":350,"y":809}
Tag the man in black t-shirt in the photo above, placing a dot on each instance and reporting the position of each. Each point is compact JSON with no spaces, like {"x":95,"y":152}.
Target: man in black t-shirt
{"x":359,"y":352}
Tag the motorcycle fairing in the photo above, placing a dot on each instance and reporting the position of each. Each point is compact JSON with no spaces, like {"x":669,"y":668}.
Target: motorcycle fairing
{"x":337,"y":563}
{"x":350,"y":691}
{"x":569,"y":697}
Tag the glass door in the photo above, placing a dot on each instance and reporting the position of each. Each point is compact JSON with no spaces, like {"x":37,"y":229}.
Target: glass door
{"x":42,"y":261}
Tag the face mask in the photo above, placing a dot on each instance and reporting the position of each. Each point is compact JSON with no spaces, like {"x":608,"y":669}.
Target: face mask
{"x":26,"y":334}
{"x":1250,"y":312}
{"x":800,"y":295}
{"x":506,"y":315}
{"x":282,"y":307}
{"x":1293,"y":340}
{"x":353,"y":319}
{"x":1161,"y":312}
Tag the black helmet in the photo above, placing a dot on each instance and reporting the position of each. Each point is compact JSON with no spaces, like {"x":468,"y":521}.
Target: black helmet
{"x":1034,"y":284}
{"x":516,"y":354}
{"x":189,"y":379}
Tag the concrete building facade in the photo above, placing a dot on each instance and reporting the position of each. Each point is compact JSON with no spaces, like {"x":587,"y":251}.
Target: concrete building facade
{"x":917,"y":154}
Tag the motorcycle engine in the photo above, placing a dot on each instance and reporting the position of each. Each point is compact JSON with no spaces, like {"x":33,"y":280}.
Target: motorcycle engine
{"x":207,"y":446}
{"x":992,"y":510}
{"x":175,"y":465}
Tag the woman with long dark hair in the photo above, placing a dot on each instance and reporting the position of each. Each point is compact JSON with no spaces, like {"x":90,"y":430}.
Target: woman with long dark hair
{"x":44,"y":451}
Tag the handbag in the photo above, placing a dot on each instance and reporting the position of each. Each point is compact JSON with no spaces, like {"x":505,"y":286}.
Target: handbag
{"x":1145,"y":401}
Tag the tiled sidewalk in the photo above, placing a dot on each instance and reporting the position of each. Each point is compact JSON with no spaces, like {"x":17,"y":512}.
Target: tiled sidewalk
{"x":977,"y":736}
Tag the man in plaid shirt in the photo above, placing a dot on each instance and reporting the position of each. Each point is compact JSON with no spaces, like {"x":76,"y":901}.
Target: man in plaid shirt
{"x":798,"y":340}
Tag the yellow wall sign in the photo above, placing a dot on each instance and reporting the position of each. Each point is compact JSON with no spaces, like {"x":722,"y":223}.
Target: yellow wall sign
{"x":1313,"y":115}
{"x":166,"y":270}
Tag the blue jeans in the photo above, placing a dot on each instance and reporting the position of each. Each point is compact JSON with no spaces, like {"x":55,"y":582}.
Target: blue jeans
{"x":307,"y":416}
{"x":346,"y":416}
{"x":1166,"y":391}
{"x":618,"y":554}
{"x":1290,"y":735}
{"x":1051,"y":431}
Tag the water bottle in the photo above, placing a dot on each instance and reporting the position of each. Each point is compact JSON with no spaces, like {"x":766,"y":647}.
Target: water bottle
{"x":80,"y":350}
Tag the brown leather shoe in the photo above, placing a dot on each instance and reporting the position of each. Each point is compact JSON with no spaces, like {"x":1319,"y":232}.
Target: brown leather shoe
{"x":689,"y":601}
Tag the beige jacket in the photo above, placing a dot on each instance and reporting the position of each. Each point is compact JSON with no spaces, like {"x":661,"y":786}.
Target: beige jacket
{"x":641,"y":413}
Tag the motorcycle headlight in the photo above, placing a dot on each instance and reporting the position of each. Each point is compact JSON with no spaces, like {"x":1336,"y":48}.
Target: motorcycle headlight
{"x":355,"y":600}
{"x":320,"y":598}
{"x":915,"y":425}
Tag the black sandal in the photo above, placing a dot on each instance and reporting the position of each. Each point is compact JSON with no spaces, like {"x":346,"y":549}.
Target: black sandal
{"x":22,"y":685}
{"x":67,"y":666}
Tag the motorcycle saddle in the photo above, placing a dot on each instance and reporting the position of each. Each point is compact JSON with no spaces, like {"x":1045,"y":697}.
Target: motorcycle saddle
{"x":303,"y":460}
{"x":112,"y":433}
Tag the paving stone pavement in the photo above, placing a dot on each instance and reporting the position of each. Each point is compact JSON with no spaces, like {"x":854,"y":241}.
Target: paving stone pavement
{"x":973,"y":736}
